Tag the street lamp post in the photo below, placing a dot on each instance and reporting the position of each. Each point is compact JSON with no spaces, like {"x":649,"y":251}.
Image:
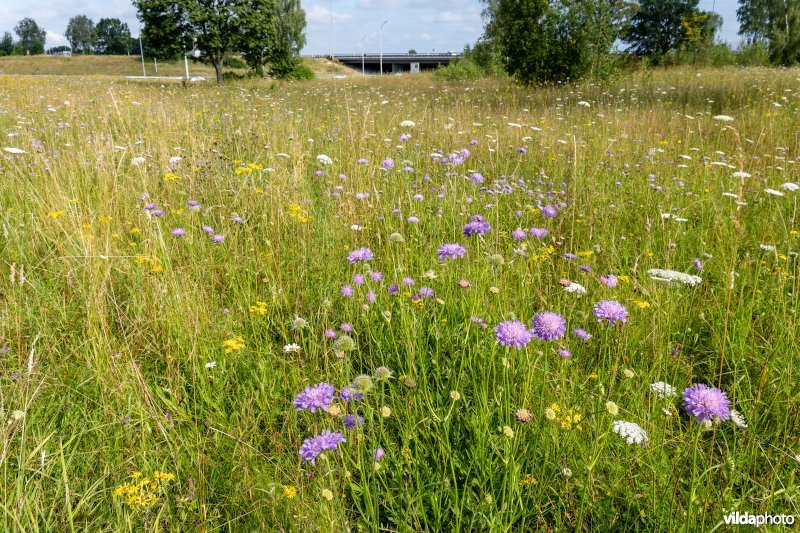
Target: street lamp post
{"x":141,"y":52}
{"x":362,"y":55}
{"x":380,"y":35}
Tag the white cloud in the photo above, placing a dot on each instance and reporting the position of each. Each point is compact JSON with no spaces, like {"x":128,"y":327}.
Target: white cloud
{"x":320,"y":15}
{"x":55,"y":39}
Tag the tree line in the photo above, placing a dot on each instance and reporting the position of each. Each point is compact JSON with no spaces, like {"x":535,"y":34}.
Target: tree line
{"x":561,"y":40}
{"x":108,"y":36}
{"x":265,"y":33}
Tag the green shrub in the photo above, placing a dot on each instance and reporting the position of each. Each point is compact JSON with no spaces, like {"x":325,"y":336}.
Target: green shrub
{"x":461,"y":69}
{"x":292,"y":69}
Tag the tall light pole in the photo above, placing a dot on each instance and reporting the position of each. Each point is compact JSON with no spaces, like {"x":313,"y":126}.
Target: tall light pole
{"x":380,"y":36}
{"x":364,"y":40}
{"x":330,"y":6}
{"x":141,"y":52}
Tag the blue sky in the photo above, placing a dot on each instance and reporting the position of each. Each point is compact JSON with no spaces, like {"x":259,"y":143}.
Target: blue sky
{"x":424,"y":25}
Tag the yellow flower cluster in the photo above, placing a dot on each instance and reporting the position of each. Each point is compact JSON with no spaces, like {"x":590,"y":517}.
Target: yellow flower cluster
{"x":529,"y":480}
{"x":55,"y":214}
{"x":247,"y":169}
{"x":142,"y":491}
{"x":151,"y":260}
{"x":566,"y":419}
{"x":544,"y":254}
{"x":298,"y":213}
{"x":235,"y":344}
{"x":259,"y":309}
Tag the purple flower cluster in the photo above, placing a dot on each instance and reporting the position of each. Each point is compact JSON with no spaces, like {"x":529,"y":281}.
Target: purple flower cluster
{"x":314,"y":446}
{"x":611,"y":311}
{"x":549,"y":326}
{"x":315,"y":397}
{"x":706,"y":403}
{"x":477,"y":226}
{"x":451,"y":251}
{"x":362,"y":254}
{"x":513,"y":334}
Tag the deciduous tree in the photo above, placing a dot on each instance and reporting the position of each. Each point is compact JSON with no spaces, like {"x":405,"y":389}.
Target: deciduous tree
{"x":113,"y":36}
{"x":31,"y":37}
{"x":775,"y":23}
{"x":81,"y":34}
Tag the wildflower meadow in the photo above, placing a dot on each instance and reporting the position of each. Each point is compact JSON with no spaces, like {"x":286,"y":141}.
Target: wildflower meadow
{"x":400,"y":304}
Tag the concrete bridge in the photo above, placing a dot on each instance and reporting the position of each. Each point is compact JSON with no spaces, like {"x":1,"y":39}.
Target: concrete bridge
{"x":371,"y":63}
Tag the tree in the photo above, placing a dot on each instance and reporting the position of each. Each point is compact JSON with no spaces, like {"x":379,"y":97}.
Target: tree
{"x":81,"y":34}
{"x":552,"y":40}
{"x":656,"y":28}
{"x":113,"y":36}
{"x":7,"y":44}
{"x":219,"y":27}
{"x":165,"y":34}
{"x":31,"y":37}
{"x":775,"y":23}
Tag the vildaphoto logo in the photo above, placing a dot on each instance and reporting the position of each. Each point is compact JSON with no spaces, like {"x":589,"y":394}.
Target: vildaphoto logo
{"x":742,"y":519}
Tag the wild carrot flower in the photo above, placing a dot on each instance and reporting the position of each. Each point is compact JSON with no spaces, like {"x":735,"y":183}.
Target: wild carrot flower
{"x":631,"y":432}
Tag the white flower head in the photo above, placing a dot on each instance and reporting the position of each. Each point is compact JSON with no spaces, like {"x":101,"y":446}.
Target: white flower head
{"x":723,"y":118}
{"x":12,"y":150}
{"x":408,"y":124}
{"x":663,"y":390}
{"x":575,"y":288}
{"x":138,"y":161}
{"x":324,"y":159}
{"x":674,"y":277}
{"x":790,"y":186}
{"x":738,"y":419}
{"x":291,"y":348}
{"x":631,"y":432}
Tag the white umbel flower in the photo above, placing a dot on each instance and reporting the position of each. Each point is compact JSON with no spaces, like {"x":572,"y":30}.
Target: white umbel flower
{"x":12,"y":150}
{"x":136,"y":161}
{"x":663,"y":390}
{"x":630,"y":431}
{"x":790,"y":186}
{"x":324,"y":159}
{"x":738,"y":419}
{"x":575,"y":288}
{"x":291,"y":348}
{"x":408,"y":124}
{"x":723,"y":118}
{"x":674,"y":277}
{"x":773,"y":192}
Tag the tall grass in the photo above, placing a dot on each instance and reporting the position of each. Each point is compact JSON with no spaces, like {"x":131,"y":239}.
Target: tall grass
{"x":116,"y":366}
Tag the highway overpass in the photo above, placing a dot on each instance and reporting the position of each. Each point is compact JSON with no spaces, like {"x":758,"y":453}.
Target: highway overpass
{"x":371,"y":63}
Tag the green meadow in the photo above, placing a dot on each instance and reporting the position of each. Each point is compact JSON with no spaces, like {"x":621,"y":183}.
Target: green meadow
{"x":180,"y":262}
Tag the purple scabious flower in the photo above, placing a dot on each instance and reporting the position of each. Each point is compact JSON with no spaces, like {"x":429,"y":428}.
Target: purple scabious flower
{"x":393,"y":289}
{"x":408,"y":281}
{"x":549,"y":326}
{"x":237,"y":219}
{"x":209,"y":230}
{"x":179,"y":232}
{"x":313,"y":446}
{"x":451,"y":251}
{"x":611,"y":311}
{"x":519,"y":234}
{"x":330,"y":334}
{"x":347,"y":394}
{"x":347,"y":291}
{"x":512,"y":333}
{"x":359,"y":279}
{"x":548,"y":211}
{"x":426,"y":292}
{"x":566,"y":354}
{"x":370,"y":296}
{"x":477,"y":178}
{"x":218,"y":238}
{"x":346,"y":327}
{"x":387,"y":164}
{"x":315,"y":396}
{"x":376,"y":276}
{"x":609,"y":281}
{"x":706,"y":402}
{"x":477,"y":225}
{"x":539,"y":233}
{"x":362,"y":254}
{"x":351,"y":421}
{"x":581,"y":334}
{"x":412,"y":220}
{"x":698,"y":265}
{"x":378,"y":454}
{"x":585,"y":268}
